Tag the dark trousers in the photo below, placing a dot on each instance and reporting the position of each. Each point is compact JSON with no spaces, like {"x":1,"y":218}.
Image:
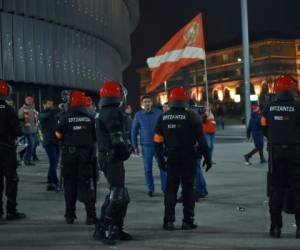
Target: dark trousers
{"x":52,"y":151}
{"x":181,"y":168}
{"x":115,"y":175}
{"x":77,"y":173}
{"x":256,"y":150}
{"x":8,"y":179}
{"x":284,"y":174}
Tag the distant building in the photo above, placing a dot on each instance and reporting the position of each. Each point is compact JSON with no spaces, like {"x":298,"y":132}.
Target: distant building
{"x":269,"y":59}
{"x":47,"y":46}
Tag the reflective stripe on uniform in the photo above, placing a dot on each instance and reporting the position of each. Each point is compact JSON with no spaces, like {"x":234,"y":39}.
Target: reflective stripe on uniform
{"x":58,"y":135}
{"x":158,"y":138}
{"x":263,"y":121}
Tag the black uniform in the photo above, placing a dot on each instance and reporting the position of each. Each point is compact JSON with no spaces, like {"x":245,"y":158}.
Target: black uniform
{"x":281,"y":125}
{"x":10,"y":129}
{"x":113,"y":150}
{"x":77,"y":129}
{"x":177,"y":135}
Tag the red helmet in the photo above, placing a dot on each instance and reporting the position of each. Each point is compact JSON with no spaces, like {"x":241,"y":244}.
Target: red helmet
{"x":4,"y":89}
{"x":88,"y":101}
{"x":77,"y":99}
{"x":110,"y":92}
{"x":178,"y":97}
{"x":285,"y":83}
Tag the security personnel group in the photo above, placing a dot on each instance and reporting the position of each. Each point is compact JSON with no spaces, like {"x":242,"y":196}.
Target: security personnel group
{"x":92,"y":141}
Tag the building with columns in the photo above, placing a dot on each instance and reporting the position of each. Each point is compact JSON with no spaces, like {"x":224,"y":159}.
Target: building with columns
{"x":269,"y":59}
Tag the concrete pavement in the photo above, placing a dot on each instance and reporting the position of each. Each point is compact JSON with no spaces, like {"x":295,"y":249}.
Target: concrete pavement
{"x":235,"y":215}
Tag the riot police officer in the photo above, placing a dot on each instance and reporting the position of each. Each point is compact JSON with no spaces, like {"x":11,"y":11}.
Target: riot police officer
{"x":180,"y":139}
{"x":76,"y":130}
{"x":10,"y":129}
{"x":281,"y":125}
{"x":113,"y":149}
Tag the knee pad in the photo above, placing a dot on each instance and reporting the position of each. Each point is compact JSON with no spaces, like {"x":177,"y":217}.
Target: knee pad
{"x":119,"y":196}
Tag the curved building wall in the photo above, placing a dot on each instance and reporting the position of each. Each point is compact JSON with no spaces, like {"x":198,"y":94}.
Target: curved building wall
{"x":66,"y":43}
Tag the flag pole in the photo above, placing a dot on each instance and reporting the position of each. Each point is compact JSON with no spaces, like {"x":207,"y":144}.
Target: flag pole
{"x":246,"y":55}
{"x":206,"y":82}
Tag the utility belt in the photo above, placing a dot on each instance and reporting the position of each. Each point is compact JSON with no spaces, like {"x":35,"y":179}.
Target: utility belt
{"x":186,"y":150}
{"x":73,"y":149}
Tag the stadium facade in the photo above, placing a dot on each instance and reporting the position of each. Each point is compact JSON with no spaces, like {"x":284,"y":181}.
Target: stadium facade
{"x":50,"y":45}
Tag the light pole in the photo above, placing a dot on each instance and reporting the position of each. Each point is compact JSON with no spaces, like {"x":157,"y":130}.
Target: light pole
{"x":246,"y":60}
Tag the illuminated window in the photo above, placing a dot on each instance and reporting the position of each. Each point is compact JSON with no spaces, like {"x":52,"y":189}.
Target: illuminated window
{"x":225,"y":57}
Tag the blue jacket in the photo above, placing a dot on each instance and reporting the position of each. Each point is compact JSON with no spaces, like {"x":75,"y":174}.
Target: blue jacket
{"x":255,"y":130}
{"x":144,"y":123}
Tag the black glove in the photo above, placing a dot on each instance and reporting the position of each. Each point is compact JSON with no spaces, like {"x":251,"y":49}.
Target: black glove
{"x":208,"y":165}
{"x":162,"y":164}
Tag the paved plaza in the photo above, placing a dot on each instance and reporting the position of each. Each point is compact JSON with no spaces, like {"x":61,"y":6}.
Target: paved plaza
{"x":235,"y":215}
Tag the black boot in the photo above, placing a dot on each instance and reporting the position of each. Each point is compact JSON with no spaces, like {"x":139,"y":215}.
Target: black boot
{"x":99,"y":232}
{"x":70,"y":218}
{"x":91,"y":217}
{"x":35,"y":158}
{"x":15,"y":216}
{"x":124,"y":236}
{"x":275,"y":232}
{"x":298,"y":233}
{"x":169,"y":226}
{"x":111,"y":235}
{"x":188,"y":226}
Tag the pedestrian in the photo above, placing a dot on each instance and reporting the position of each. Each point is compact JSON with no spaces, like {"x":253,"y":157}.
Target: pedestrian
{"x":165,"y":107}
{"x":220,"y":117}
{"x":76,"y":130}
{"x":281,"y":125}
{"x":209,"y":129}
{"x":29,"y":116}
{"x":254,"y":130}
{"x":48,"y":121}
{"x":178,"y":134}
{"x":113,"y":149}
{"x":10,"y":129}
{"x":264,"y":97}
{"x":129,"y":114}
{"x":144,"y":124}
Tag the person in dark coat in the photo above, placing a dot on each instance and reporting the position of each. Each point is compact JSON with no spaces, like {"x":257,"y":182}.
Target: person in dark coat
{"x":254,"y":130}
{"x":48,"y":120}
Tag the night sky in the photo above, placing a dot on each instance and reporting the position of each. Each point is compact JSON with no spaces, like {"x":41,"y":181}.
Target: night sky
{"x":161,"y":19}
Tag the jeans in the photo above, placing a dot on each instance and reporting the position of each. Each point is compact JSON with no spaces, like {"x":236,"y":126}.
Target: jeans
{"x":200,"y":180}
{"x":220,"y":122}
{"x":148,"y":152}
{"x":210,"y":139}
{"x":35,"y":145}
{"x":52,"y":151}
{"x":30,"y":138}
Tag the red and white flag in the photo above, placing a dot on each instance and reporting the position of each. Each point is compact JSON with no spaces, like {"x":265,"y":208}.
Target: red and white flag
{"x":185,"y":47}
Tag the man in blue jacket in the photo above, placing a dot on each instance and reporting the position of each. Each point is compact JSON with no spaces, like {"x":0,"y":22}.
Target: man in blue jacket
{"x":144,"y":123}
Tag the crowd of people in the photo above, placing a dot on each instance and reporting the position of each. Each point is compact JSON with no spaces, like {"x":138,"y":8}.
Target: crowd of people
{"x":180,"y":137}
